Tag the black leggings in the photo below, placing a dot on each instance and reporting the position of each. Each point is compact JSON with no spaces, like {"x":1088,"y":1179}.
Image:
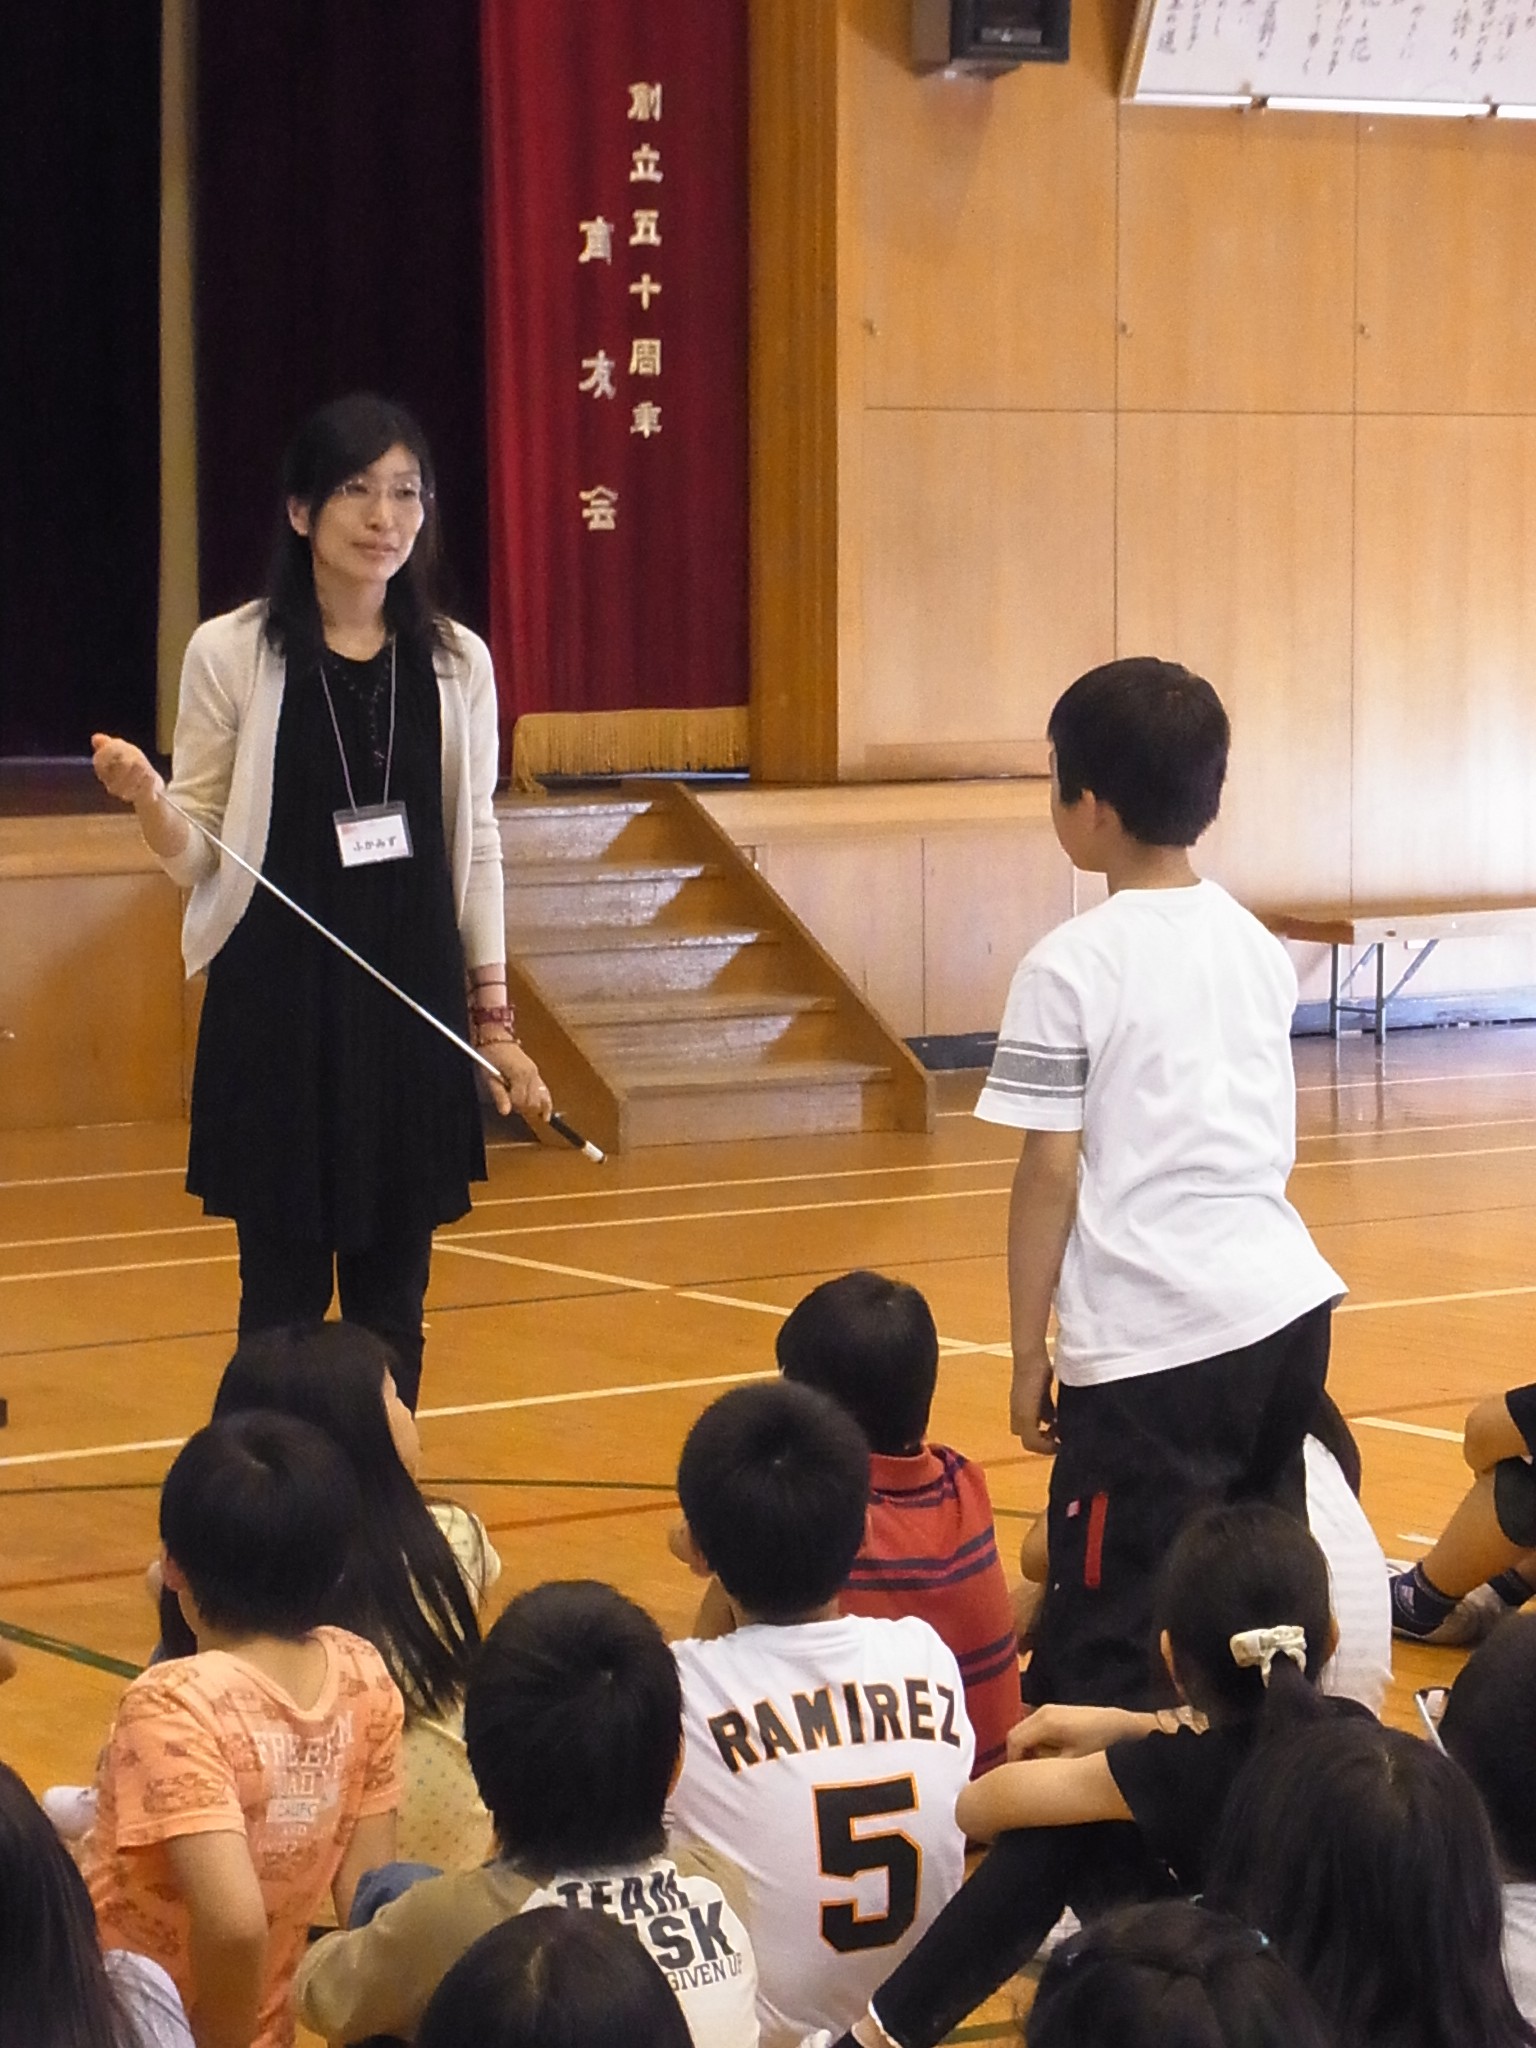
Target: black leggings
{"x":1002,"y":1913}
{"x":284,"y":1280}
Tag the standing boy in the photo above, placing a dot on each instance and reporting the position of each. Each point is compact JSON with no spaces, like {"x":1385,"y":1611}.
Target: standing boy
{"x":823,"y":1752}
{"x":241,"y":1786}
{"x":1145,"y":1049}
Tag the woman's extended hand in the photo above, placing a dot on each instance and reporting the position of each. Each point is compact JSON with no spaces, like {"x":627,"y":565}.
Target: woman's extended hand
{"x":124,"y":770}
{"x":522,"y":1085}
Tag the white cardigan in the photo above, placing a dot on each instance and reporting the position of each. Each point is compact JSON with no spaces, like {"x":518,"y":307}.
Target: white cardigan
{"x":222,"y":754}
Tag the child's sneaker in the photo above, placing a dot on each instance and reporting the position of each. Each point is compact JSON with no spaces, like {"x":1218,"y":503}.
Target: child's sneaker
{"x":72,"y":1809}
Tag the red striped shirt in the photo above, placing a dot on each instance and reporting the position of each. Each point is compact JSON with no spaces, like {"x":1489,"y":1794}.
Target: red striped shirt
{"x":931,"y":1551}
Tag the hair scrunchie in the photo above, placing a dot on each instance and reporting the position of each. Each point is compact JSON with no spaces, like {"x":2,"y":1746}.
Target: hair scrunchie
{"x":1261,"y":1646}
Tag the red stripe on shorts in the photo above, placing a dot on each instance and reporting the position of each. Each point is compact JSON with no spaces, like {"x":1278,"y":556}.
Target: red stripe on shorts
{"x":1093,"y":1556}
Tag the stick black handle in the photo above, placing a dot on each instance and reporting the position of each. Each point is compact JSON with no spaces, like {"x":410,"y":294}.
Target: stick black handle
{"x":572,"y":1136}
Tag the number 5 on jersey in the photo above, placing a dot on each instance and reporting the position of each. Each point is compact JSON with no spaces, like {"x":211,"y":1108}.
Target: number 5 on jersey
{"x":844,"y":1853}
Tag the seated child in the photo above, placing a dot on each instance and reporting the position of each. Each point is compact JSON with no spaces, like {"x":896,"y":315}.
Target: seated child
{"x":929,"y":1547}
{"x":1242,"y":1606}
{"x":1145,"y":1055}
{"x":1485,"y":1562}
{"x":1171,"y":1975}
{"x":240,"y":1785}
{"x":1489,"y":1727}
{"x":824,"y":1751}
{"x":1358,"y":1851}
{"x":574,"y":1724}
{"x":552,"y":1979}
{"x":57,"y":1989}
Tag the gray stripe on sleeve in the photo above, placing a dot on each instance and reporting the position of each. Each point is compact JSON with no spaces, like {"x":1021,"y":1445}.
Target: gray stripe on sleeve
{"x":1020,"y":1068}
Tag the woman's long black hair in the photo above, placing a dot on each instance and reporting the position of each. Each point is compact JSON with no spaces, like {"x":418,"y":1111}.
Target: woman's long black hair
{"x":403,"y":1589}
{"x":54,"y":1988}
{"x":337,"y":442}
{"x":1365,"y":1856}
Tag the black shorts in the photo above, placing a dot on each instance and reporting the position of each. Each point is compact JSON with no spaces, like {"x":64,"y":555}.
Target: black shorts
{"x":1514,"y":1480}
{"x":1138,"y":1457}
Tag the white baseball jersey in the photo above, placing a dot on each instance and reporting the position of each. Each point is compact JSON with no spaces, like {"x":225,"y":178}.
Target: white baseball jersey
{"x":825,"y":1760}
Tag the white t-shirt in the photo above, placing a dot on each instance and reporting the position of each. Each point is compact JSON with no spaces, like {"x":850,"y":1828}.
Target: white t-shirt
{"x":684,"y":1924}
{"x":825,"y":1759}
{"x":1361,"y":1667}
{"x":1520,"y":1946}
{"x":1158,"y":1024}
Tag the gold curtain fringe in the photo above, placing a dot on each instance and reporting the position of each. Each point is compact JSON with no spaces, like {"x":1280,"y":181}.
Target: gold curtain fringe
{"x":627,"y":742}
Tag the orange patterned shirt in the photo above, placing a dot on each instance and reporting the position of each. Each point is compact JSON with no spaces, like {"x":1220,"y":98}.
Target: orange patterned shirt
{"x":211,"y":1745}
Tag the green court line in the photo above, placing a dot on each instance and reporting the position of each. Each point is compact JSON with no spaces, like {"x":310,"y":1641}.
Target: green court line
{"x":994,"y":2030}
{"x":73,"y":1653}
{"x":91,"y":1486}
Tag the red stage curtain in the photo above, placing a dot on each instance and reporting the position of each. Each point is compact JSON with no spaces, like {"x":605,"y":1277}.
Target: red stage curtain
{"x":635,"y":597}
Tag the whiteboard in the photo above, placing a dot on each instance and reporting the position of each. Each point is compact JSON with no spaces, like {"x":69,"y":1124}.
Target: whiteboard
{"x":1420,"y":50}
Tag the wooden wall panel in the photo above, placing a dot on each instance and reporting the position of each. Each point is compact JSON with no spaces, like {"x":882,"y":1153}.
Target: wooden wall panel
{"x":997,"y":196}
{"x":988,"y":563}
{"x":793,"y":395}
{"x":1234,"y":557}
{"x":1236,"y":261}
{"x":863,"y":899}
{"x":1445,"y":652}
{"x":91,"y":988}
{"x":1447,"y":285}
{"x":986,"y":901}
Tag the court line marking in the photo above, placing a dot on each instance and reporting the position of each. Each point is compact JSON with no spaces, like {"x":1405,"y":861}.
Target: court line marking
{"x":1415,"y":1536}
{"x":1444,"y":1436}
{"x":567,"y":1225}
{"x":1358,"y":1308}
{"x":63,"y":1180}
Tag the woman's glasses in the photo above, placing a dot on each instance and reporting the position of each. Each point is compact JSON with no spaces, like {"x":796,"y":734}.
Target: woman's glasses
{"x":402,"y":494}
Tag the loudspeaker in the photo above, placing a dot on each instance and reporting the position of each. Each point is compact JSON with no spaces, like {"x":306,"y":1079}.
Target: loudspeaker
{"x":990,"y":35}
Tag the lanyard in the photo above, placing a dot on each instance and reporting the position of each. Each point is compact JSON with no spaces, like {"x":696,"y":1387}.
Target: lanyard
{"x":389,"y":753}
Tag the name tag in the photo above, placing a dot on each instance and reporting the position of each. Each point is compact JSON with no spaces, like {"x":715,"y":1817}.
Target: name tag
{"x":373,"y":832}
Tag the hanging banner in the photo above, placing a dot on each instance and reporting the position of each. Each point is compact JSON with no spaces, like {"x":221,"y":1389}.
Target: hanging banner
{"x":616,"y":285}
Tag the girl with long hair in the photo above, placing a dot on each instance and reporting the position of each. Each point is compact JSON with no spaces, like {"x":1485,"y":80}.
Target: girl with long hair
{"x":339,"y":734}
{"x":1100,"y":1806}
{"x":418,"y":1570}
{"x":1365,"y":1855}
{"x":57,"y":1990}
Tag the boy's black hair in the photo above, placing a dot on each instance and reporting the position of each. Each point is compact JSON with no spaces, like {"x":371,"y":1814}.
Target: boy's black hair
{"x":774,"y":1482}
{"x":870,"y":1343}
{"x":1148,"y":737}
{"x":574,"y":1721}
{"x":1489,"y":1726}
{"x":1363,"y":1854}
{"x":258,"y":1511}
{"x":1171,"y":1975}
{"x":1230,"y":1569}
{"x":555,"y":1978}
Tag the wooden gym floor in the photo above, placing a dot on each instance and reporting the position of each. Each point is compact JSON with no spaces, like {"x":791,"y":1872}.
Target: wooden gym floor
{"x":581,"y":1317}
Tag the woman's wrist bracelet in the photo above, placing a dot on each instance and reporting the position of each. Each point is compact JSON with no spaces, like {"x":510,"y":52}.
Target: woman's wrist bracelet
{"x":494,"y":1023}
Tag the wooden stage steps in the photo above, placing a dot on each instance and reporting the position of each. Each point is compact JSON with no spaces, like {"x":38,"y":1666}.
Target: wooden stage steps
{"x":669,"y":994}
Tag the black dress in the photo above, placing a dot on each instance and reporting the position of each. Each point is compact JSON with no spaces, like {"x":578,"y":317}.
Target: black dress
{"x":323,"y":1111}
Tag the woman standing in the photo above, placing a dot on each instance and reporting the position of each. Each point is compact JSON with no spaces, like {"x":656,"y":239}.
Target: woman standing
{"x":339,"y":734}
